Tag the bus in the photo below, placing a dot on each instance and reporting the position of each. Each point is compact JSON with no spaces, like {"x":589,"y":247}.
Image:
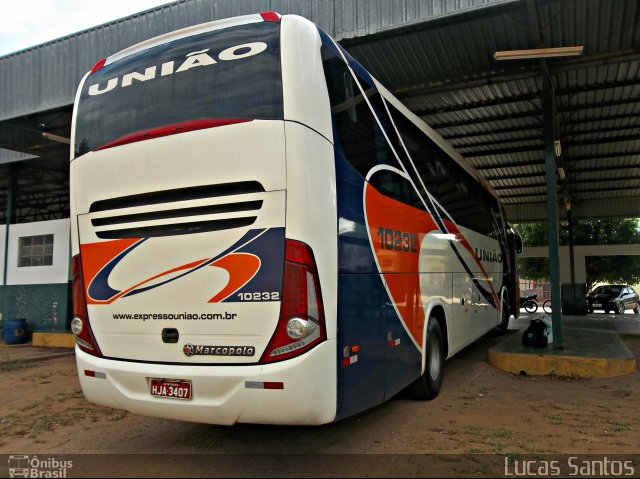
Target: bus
{"x":262,"y":233}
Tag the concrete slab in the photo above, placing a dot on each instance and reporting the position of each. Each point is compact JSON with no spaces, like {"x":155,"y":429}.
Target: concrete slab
{"x":592,"y":348}
{"x":54,"y":340}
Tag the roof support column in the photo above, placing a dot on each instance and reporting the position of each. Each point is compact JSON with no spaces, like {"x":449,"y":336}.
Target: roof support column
{"x":548,"y":107}
{"x":574,"y":293}
{"x":10,"y":215}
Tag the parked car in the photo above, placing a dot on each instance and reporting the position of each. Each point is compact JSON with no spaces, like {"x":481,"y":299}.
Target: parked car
{"x":614,"y":297}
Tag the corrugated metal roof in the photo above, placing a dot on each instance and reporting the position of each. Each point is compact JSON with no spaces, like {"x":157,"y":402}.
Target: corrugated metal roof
{"x":46,"y":76}
{"x":492,"y":111}
{"x":437,"y":57}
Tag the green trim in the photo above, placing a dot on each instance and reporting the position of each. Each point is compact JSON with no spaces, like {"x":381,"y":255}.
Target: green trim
{"x":46,"y":307}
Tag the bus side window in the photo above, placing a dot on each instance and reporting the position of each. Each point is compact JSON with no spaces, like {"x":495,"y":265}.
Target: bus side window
{"x":358,"y":135}
{"x":364,"y":133}
{"x":454,"y":189}
{"x":349,"y":98}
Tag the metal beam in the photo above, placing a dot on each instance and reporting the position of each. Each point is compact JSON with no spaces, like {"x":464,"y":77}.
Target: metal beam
{"x":515,"y":164}
{"x":518,"y":176}
{"x":504,"y":151}
{"x":625,"y":178}
{"x":594,"y":131}
{"x":482,"y":79}
{"x":576,"y":184}
{"x":543,"y":197}
{"x":598,"y":119}
{"x":597,"y":105}
{"x":528,"y":97}
{"x":522,"y":149}
{"x":633,"y":193}
{"x":541,"y":184}
{"x":621,"y":155}
{"x":633,"y":189}
{"x":537,"y":138}
{"x":517,"y":129}
{"x":584,"y":209}
{"x":497,"y":131}
{"x":433,"y":122}
{"x":599,"y":169}
{"x":601,"y":141}
{"x":575,"y":181}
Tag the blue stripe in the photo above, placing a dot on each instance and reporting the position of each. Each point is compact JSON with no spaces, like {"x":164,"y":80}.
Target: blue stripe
{"x":99,"y":289}
{"x":247,"y":237}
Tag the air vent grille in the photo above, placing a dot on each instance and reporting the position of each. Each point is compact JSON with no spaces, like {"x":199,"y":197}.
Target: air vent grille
{"x":181,"y":211}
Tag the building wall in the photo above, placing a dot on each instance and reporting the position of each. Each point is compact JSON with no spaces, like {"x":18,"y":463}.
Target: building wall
{"x":40,"y":294}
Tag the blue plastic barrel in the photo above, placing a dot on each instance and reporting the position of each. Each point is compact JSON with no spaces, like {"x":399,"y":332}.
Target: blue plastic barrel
{"x":15,"y":331}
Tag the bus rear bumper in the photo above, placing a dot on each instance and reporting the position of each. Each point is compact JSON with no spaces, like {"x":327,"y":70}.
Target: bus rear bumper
{"x":220,"y":394}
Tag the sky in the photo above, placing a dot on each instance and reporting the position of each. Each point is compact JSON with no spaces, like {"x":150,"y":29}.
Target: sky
{"x":26,"y":23}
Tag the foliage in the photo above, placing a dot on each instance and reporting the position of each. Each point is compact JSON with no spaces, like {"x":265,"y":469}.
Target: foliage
{"x":607,"y":269}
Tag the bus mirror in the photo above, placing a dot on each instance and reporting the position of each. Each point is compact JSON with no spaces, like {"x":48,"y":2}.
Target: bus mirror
{"x":517,"y":241}
{"x":516,"y":238}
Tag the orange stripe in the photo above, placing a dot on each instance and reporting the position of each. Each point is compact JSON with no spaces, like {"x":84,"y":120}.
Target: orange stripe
{"x":241,"y":268}
{"x":389,"y":214}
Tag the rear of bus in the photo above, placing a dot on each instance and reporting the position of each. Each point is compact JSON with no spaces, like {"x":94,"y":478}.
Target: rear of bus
{"x":203,"y":259}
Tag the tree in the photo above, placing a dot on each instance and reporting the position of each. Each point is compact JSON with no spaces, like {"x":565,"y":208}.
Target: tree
{"x":609,"y":269}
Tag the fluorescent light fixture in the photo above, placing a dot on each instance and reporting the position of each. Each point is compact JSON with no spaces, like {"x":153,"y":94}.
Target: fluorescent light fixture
{"x":52,"y":137}
{"x":557,"y":146}
{"x":538,"y":53}
{"x":561,"y":173}
{"x":446,"y":236}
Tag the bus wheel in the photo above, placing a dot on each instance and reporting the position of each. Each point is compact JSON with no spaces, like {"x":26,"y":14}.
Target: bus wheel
{"x":502,"y":328}
{"x":427,"y":386}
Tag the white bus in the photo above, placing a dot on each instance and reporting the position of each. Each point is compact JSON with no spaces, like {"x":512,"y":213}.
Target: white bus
{"x":262,"y":233}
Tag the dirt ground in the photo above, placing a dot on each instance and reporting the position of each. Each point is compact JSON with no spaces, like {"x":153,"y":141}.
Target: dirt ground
{"x":480,"y":410}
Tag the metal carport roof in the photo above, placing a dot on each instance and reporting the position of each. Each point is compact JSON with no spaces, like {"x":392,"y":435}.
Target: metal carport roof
{"x":437,"y":57}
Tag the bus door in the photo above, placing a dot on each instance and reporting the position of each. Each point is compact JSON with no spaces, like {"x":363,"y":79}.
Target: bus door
{"x":462,"y":308}
{"x":484,"y":315}
{"x":487,"y":282}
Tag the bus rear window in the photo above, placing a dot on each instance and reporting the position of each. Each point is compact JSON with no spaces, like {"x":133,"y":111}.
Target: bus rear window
{"x":232,"y":73}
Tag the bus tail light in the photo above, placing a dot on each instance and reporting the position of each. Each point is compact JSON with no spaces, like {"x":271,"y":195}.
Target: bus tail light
{"x":301,"y":325}
{"x":80,"y":323}
{"x":270,"y":17}
{"x":98,"y":66}
{"x":167,"y":130}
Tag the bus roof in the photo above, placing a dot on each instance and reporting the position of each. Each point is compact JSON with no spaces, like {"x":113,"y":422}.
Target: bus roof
{"x":183,"y":33}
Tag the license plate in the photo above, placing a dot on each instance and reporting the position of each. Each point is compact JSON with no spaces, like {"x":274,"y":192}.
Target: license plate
{"x":596,"y":305}
{"x":171,"y":388}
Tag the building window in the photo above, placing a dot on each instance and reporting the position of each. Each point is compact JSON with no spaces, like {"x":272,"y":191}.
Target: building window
{"x":35,"y":251}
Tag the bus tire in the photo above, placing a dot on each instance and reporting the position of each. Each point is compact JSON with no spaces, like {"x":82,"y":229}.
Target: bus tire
{"x":428,"y":385}
{"x":502,"y":328}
